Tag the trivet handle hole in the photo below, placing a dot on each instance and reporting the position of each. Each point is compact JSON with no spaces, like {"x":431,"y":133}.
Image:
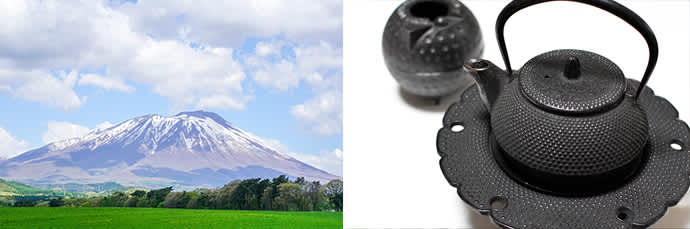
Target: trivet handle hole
{"x":676,"y":145}
{"x":456,"y":127}
{"x":498,"y":203}
{"x":624,"y":214}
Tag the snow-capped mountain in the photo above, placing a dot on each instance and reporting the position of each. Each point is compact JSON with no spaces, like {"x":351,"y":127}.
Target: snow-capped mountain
{"x":191,"y":148}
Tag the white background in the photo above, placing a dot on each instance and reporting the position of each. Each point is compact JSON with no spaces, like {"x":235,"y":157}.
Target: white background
{"x":391,"y":166}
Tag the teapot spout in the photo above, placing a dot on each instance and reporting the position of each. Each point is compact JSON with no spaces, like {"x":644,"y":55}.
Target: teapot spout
{"x":490,"y":79}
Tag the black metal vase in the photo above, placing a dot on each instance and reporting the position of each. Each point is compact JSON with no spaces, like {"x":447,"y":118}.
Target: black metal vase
{"x":425,"y":43}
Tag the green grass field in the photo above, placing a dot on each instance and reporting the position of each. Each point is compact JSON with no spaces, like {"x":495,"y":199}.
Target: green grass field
{"x":163,"y":218}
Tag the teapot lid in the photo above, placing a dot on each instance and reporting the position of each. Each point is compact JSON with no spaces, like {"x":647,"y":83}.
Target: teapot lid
{"x":572,"y":82}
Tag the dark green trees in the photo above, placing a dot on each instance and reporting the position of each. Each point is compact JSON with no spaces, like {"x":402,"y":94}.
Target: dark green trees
{"x":58,"y":202}
{"x":247,"y":195}
{"x":334,"y":193}
{"x":252,"y":194}
{"x":156,"y":197}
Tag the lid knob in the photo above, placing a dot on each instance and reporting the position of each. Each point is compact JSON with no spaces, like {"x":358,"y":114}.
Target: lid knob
{"x":572,"y":68}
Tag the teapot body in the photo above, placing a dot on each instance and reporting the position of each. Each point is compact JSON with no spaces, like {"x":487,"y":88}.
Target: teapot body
{"x":567,"y":154}
{"x":564,"y":121}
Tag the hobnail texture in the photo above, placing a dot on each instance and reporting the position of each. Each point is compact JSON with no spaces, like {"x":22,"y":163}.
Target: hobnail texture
{"x":425,"y":43}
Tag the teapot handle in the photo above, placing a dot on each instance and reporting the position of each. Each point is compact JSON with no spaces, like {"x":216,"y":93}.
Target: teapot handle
{"x":609,"y":5}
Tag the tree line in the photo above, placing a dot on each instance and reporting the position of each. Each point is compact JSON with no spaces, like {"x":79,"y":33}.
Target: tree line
{"x":278,"y":194}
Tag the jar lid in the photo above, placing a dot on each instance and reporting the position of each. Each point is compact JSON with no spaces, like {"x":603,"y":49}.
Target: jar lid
{"x":572,"y":82}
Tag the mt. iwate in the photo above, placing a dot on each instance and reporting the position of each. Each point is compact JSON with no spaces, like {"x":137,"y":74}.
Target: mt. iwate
{"x":191,"y":148}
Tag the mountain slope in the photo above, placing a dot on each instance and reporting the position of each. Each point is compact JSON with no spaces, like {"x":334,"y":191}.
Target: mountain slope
{"x":190,"y":148}
{"x":9,"y":188}
{"x":107,"y":187}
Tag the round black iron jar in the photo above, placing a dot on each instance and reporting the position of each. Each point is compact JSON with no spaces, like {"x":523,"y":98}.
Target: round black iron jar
{"x":425,"y":43}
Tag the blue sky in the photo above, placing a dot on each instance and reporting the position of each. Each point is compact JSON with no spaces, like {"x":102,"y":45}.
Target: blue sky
{"x":265,"y":66}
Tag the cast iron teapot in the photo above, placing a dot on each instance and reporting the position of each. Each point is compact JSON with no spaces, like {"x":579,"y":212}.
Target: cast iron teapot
{"x":564,"y":120}
{"x":566,"y":141}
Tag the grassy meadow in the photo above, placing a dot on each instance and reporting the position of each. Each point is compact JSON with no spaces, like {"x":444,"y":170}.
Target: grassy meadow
{"x":163,"y":218}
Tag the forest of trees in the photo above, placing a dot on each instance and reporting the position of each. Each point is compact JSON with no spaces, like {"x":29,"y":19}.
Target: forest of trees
{"x":280,"y":194}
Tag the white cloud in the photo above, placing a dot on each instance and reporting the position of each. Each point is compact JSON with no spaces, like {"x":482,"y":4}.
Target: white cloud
{"x":331,"y":161}
{"x":220,"y":102}
{"x":276,"y":145}
{"x":88,"y":35}
{"x":222,"y":23}
{"x":178,"y":48}
{"x":63,"y":130}
{"x":281,"y":75}
{"x":51,"y":89}
{"x":267,"y":48}
{"x":320,"y":57}
{"x":318,"y":65}
{"x":322,"y":114}
{"x":108,"y":83}
{"x":104,"y":125}
{"x":310,"y":64}
{"x":10,"y":146}
{"x":207,"y":77}
{"x":5,"y":88}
